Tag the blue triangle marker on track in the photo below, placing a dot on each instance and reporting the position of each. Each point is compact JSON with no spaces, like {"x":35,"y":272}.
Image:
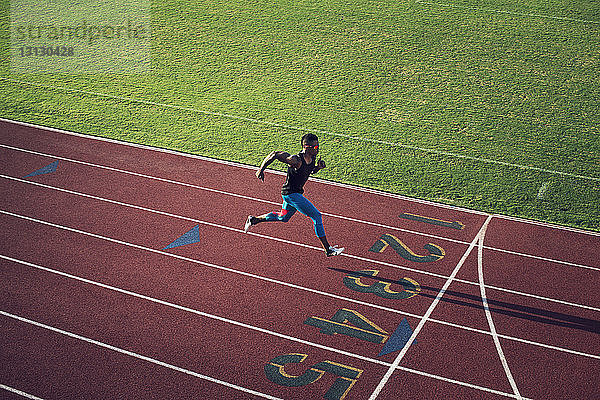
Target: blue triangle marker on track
{"x":48,"y":169}
{"x":398,"y":339}
{"x":191,"y":236}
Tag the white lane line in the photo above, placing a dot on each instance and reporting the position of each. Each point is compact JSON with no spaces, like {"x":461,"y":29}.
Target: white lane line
{"x":187,"y":259}
{"x":174,"y":182}
{"x":533,"y":296}
{"x":170,"y":181}
{"x":311,"y":130}
{"x":298,"y":287}
{"x":326,"y":294}
{"x":428,"y":313}
{"x":321,"y":181}
{"x":19,"y":392}
{"x":136,"y":174}
{"x":488,"y":314}
{"x":138,"y":356}
{"x":546,"y":259}
{"x":546,"y":346}
{"x":194,"y":311}
{"x":331,"y":295}
{"x":279,"y":203}
{"x":363,"y":303}
{"x":507,"y":12}
{"x":282,"y":283}
{"x":548,"y":225}
{"x":265,"y":331}
{"x":368,"y":260}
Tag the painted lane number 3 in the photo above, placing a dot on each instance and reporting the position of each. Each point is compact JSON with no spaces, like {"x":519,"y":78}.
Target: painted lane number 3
{"x":410,"y":287}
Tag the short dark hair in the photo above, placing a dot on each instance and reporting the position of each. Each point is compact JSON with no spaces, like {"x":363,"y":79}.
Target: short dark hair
{"x":309,"y":137}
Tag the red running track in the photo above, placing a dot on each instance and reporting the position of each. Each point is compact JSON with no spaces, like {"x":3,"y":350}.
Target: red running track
{"x":92,"y":307}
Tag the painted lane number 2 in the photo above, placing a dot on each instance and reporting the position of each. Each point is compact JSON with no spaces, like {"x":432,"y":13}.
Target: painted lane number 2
{"x":436,"y":253}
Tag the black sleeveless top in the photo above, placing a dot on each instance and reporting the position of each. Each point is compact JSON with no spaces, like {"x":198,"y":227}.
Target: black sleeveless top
{"x":296,"y":178}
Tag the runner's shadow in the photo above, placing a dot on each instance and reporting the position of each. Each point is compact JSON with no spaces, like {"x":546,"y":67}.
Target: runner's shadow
{"x":498,"y":307}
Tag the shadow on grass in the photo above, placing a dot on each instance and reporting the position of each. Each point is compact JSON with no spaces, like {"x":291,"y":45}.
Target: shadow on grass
{"x":499,"y":307}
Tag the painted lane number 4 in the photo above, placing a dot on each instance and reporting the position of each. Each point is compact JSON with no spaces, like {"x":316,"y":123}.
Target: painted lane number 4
{"x":349,"y":323}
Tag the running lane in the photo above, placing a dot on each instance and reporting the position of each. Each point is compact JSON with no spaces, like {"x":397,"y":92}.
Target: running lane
{"x":371,"y":230}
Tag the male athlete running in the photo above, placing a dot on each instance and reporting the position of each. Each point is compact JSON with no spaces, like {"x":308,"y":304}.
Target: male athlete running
{"x":300,"y":166}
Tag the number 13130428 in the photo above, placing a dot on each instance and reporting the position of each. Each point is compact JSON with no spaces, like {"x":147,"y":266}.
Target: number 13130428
{"x":45,"y":51}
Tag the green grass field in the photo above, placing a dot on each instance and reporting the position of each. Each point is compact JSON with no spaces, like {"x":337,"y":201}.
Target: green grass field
{"x":491,"y":105}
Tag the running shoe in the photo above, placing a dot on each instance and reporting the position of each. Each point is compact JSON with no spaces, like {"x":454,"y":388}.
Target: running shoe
{"x":248,"y":223}
{"x":334,"y":251}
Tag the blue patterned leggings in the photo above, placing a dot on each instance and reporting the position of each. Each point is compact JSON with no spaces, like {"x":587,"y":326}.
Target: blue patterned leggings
{"x":296,"y":202}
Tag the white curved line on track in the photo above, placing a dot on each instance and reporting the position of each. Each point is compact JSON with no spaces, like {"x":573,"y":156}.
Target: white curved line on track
{"x":488,"y":314}
{"x":428,"y":313}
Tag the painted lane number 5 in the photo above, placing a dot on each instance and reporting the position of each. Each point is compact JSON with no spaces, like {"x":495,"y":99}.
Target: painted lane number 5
{"x":347,"y":376}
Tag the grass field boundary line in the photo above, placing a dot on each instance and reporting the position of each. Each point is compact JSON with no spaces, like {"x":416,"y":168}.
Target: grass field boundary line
{"x":507,"y":12}
{"x":277,"y":204}
{"x":247,"y":326}
{"x":322,"y":181}
{"x":19,"y":392}
{"x":237,"y":230}
{"x":282,"y":283}
{"x":137,"y":355}
{"x":312,"y":130}
{"x":245,"y":166}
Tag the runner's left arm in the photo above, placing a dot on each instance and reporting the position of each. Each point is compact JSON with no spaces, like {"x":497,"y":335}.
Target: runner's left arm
{"x":320,"y":165}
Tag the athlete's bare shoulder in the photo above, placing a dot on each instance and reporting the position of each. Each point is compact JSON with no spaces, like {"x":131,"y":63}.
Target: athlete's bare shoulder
{"x":287,"y":158}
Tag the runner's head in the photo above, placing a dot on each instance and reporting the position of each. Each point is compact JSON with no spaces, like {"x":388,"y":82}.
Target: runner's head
{"x":310,"y":144}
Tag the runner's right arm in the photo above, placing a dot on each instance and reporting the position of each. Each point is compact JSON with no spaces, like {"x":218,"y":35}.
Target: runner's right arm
{"x":282,"y":156}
